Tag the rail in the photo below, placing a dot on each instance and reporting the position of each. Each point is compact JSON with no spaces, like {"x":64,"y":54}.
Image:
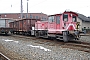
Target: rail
{"x":3,"y":57}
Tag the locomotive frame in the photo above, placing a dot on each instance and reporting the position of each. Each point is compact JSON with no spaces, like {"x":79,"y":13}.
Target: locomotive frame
{"x":60,"y":26}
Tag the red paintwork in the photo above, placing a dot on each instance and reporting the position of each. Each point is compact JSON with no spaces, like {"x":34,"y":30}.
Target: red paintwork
{"x":41,"y":25}
{"x":71,"y":28}
{"x":52,"y":27}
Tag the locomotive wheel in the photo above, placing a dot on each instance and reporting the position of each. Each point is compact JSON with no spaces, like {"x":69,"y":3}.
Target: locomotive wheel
{"x":6,"y":33}
{"x":65,"y":36}
{"x":36,"y":34}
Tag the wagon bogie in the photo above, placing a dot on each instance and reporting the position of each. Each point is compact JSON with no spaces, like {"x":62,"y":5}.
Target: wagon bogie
{"x":41,"y":33}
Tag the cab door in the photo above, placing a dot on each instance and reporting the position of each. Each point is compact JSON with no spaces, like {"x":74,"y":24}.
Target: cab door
{"x":58,"y":22}
{"x":51,"y":24}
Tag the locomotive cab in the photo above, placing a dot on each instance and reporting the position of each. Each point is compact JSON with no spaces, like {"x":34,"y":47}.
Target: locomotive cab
{"x":70,"y":20}
{"x":70,"y":25}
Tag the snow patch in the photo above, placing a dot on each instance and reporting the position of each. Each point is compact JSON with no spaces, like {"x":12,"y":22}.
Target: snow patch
{"x":45,"y":49}
{"x":11,"y":41}
{"x":8,"y":40}
{"x":16,"y":41}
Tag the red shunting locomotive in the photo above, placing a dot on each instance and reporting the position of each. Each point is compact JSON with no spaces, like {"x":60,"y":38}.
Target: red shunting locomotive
{"x":60,"y":26}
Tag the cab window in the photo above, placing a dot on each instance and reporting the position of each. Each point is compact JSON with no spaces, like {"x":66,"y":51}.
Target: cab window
{"x":58,"y":19}
{"x":51,"y":19}
{"x":65,"y":17}
{"x":74,"y":19}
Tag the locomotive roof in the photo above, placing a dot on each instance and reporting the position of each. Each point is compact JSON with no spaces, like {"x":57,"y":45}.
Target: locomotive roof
{"x":65,"y":12}
{"x":81,"y":16}
{"x":71,"y":12}
{"x":55,"y":14}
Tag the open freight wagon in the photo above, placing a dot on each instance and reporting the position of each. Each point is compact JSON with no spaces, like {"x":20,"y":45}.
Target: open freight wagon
{"x":23,"y":26}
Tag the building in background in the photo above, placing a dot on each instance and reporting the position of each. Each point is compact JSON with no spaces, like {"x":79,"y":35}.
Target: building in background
{"x":30,"y":15}
{"x":84,"y":22}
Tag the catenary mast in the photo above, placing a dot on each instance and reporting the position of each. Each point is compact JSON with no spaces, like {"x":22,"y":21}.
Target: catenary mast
{"x":21,"y":9}
{"x":27,"y":8}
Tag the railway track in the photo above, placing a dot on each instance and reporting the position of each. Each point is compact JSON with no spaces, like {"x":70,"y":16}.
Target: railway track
{"x":77,"y":45}
{"x":3,"y":57}
{"x":81,"y":46}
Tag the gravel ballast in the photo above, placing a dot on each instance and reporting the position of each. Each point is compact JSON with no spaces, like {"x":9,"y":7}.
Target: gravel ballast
{"x":27,"y":49}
